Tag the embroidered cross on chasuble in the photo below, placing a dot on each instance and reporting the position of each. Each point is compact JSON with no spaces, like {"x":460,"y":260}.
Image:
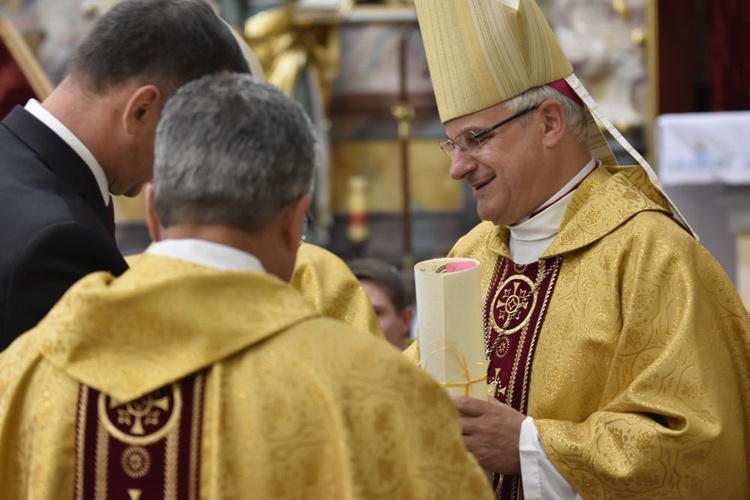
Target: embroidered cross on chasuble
{"x":513,"y":315}
{"x":145,"y":449}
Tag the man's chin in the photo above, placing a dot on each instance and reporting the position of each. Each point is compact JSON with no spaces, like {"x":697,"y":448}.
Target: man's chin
{"x":485,"y":214}
{"x":494,"y":218}
{"x":135,"y":191}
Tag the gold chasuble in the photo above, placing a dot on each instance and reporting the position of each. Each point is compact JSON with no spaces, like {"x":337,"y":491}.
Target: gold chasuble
{"x":179,"y":381}
{"x":330,"y":286}
{"x":627,"y":344}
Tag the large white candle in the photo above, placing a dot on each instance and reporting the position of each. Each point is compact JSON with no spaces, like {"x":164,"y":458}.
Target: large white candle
{"x":449,"y":314}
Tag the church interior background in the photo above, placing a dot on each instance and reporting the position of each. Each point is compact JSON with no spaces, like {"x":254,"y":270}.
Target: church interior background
{"x":662,"y":70}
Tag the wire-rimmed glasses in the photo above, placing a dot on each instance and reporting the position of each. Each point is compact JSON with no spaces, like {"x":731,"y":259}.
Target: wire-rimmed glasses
{"x":470,"y":141}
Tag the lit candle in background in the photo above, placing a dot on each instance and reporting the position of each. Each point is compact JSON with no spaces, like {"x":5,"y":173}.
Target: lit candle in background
{"x":357,"y":204}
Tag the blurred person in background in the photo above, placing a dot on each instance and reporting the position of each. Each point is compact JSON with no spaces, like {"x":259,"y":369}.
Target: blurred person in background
{"x":389,"y":295}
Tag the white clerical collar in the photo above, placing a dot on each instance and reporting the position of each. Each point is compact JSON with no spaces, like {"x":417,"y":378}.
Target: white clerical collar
{"x":207,"y":253}
{"x":44,"y":116}
{"x":532,"y":236}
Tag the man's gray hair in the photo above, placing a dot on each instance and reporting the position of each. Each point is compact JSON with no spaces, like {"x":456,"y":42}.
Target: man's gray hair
{"x":233,"y":151}
{"x":575,"y":115}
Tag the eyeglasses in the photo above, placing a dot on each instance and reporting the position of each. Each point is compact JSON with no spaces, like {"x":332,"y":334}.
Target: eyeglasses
{"x":470,"y":141}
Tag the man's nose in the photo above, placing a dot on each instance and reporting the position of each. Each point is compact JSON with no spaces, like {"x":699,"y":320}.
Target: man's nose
{"x":461,"y":165}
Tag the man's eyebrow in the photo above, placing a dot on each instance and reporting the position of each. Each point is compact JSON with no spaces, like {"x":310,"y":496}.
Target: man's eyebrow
{"x":468,"y":128}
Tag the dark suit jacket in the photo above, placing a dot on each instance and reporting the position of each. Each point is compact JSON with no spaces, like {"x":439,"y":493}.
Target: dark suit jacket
{"x":54,"y":225}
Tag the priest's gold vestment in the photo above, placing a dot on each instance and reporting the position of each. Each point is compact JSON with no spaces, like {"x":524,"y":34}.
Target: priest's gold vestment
{"x":330,"y":286}
{"x":294,"y":405}
{"x":640,"y":383}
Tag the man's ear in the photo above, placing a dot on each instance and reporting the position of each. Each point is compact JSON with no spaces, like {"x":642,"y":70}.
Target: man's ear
{"x":554,"y":125}
{"x":142,"y":108}
{"x":293,"y":218}
{"x":407,"y":315}
{"x":152,"y":220}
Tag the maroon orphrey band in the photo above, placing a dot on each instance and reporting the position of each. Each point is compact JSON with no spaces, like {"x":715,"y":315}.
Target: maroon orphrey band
{"x":143,"y":449}
{"x":513,"y":315}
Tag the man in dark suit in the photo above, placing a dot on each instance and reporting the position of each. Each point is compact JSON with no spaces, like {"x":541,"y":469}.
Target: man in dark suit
{"x":94,"y":135}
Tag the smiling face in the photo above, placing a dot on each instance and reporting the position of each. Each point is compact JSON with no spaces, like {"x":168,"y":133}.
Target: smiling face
{"x":506,"y":173}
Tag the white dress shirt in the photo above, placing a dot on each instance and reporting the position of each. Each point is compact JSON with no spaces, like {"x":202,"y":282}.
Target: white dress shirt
{"x":44,"y":116}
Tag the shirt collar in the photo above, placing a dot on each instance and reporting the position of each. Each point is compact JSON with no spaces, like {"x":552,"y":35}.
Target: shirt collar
{"x":207,"y":253}
{"x":44,"y":116}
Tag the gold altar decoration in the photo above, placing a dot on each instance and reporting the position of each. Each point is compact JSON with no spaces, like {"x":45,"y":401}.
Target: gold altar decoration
{"x":288,"y":39}
{"x":404,"y":114}
{"x":379,"y":162}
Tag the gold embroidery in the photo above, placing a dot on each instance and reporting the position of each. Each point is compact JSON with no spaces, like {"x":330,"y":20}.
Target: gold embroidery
{"x":159,"y":413}
{"x":487,"y":349}
{"x":195,"y":441}
{"x":83,"y":397}
{"x":135,"y":461}
{"x":512,"y":304}
{"x":494,"y":388}
{"x":102,"y":456}
{"x":140,"y":412}
{"x":172,"y":463}
{"x":516,"y":304}
{"x":535,"y":335}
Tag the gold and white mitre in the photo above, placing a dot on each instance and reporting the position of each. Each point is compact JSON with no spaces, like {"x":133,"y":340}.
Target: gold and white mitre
{"x":483,"y":52}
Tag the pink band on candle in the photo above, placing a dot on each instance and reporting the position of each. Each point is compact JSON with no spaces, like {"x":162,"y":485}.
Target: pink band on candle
{"x":454,"y":267}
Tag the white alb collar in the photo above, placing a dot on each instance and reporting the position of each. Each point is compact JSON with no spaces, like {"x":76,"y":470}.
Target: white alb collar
{"x":532,"y":236}
{"x":547,"y":222}
{"x":207,"y":253}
